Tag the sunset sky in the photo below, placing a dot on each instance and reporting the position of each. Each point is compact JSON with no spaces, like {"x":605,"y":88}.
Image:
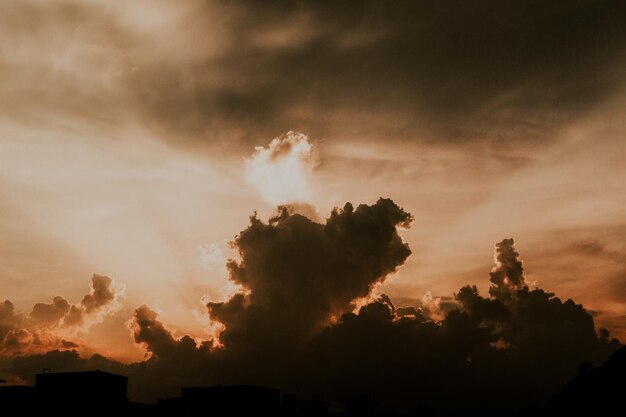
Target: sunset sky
{"x":135,"y":143}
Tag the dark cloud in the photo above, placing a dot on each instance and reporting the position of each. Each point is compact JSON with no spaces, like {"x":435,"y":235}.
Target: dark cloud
{"x":451,"y":70}
{"x":68,"y":344}
{"x":47,"y":315}
{"x":294,"y":326}
{"x":220,"y":73}
{"x":158,"y":340}
{"x":7,"y":314}
{"x":297,"y":274}
{"x":588,"y":264}
{"x":20,"y":334}
{"x":508,"y":274}
{"x":303,"y":209}
{"x":598,"y":249}
{"x":9,"y":320}
{"x":102,"y":296}
{"x":482,"y":354}
{"x":102,"y":293}
{"x":479,"y":356}
{"x":534,"y":324}
{"x":25,"y":367}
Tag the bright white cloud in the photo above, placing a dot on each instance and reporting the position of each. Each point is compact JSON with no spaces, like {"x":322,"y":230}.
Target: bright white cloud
{"x":281,"y":172}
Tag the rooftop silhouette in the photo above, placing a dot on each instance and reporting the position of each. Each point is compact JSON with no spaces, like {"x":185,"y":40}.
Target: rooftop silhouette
{"x":231,"y":400}
{"x":594,"y":390}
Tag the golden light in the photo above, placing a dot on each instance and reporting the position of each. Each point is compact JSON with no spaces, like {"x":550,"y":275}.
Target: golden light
{"x":281,"y":172}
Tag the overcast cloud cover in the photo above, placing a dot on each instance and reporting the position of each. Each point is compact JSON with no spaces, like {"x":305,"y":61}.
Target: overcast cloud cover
{"x":210,"y":72}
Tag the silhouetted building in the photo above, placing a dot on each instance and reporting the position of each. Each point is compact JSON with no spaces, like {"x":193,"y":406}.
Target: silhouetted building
{"x":18,"y":397}
{"x":93,"y":392}
{"x":229,"y":400}
{"x":289,"y":404}
{"x":170,"y":407}
{"x":313,"y":407}
{"x":422,"y":410}
{"x":361,"y":406}
{"x":137,"y":409}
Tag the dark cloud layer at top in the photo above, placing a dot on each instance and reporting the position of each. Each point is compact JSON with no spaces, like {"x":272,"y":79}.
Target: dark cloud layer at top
{"x":217,"y":73}
{"x":293,"y":327}
{"x":450,"y":70}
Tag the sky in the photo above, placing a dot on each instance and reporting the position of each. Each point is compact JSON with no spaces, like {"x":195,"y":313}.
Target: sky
{"x":137,"y":139}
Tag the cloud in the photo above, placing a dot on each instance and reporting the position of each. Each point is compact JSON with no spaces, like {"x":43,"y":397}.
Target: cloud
{"x":482,"y":354}
{"x":508,"y":274}
{"x":9,"y":322}
{"x":293,"y":325}
{"x":46,"y":325}
{"x":282,"y":329}
{"x":158,"y":340}
{"x":7,"y":315}
{"x":281,"y":172}
{"x":18,"y":336}
{"x":297,"y":274}
{"x":48,"y":315}
{"x":174,"y":361}
{"x":102,"y":300}
{"x":498,"y":72}
{"x":596,"y":248}
{"x":24,"y":368}
{"x":589,"y":265}
{"x":504,"y":73}
{"x":530,"y":322}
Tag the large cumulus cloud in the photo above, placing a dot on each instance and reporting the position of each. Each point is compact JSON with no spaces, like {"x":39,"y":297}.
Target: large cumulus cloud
{"x":295,"y":325}
{"x":483,"y":354}
{"x":297,"y":274}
